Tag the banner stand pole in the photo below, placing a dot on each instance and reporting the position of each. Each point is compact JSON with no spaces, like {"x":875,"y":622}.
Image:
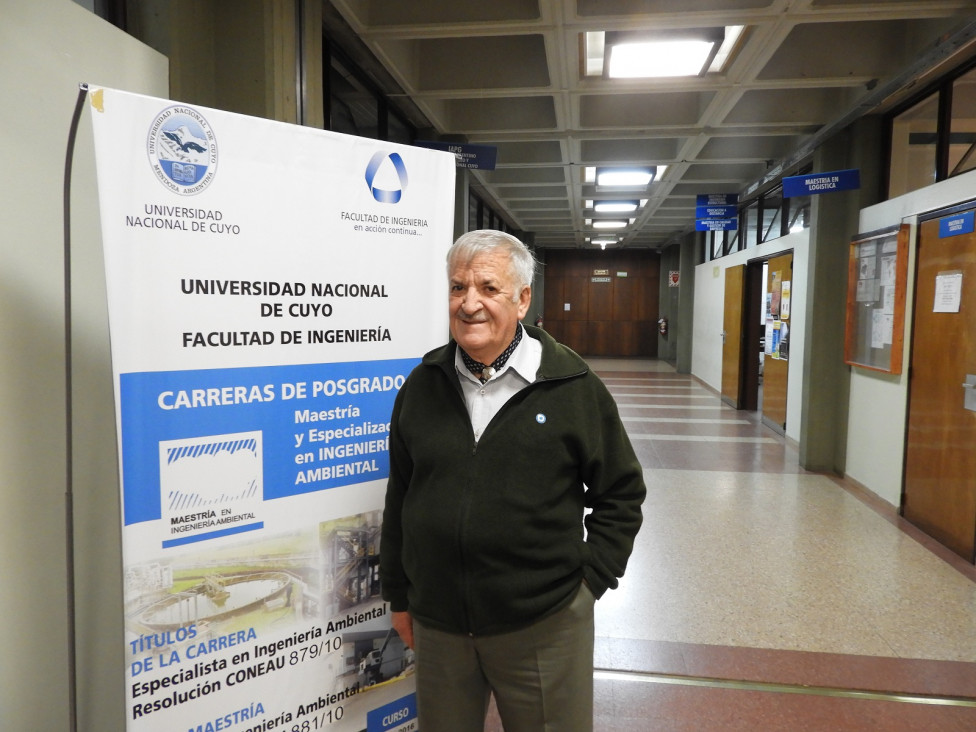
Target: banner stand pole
{"x":69,"y":442}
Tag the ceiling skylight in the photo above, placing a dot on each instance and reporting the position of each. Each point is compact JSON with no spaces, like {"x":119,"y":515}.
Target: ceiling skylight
{"x":665,"y":53}
{"x":732,"y":35}
{"x":658,"y":58}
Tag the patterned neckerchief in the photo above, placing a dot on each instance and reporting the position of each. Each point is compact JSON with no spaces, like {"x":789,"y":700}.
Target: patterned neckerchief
{"x":484,"y":372}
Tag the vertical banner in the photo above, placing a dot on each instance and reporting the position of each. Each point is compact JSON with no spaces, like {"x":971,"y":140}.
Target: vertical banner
{"x":270,"y":287}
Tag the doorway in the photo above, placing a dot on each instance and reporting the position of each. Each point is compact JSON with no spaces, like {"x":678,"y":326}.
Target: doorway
{"x":776,"y":339}
{"x":757,"y":310}
{"x":939,"y":492}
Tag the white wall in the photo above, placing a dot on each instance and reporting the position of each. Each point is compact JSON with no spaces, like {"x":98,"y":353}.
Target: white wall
{"x":878,"y":402}
{"x":47,"y":48}
{"x":706,"y":361}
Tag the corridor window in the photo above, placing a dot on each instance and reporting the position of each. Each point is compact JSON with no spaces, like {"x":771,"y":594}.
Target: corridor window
{"x":914,"y":134}
{"x":482,"y":216}
{"x":962,"y":132}
{"x":798,"y":214}
{"x":749,"y":225}
{"x":933,"y":137}
{"x":353,"y":108}
{"x":356,"y":104}
{"x":772,"y":219}
{"x":398,"y":130}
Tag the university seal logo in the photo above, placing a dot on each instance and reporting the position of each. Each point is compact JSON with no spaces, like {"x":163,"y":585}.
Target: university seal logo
{"x":395,"y":170}
{"x":182,"y":150}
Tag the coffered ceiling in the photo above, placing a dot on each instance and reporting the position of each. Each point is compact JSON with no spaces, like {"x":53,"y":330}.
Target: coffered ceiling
{"x":508,"y":73}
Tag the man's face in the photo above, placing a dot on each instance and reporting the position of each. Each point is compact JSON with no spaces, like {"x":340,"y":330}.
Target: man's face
{"x":483,"y":314}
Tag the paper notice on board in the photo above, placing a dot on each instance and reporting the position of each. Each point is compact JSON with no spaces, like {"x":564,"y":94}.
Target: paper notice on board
{"x":887,"y":271}
{"x":948,"y":292}
{"x":888,"y":300}
{"x":867,"y":291}
{"x":784,"y":305}
{"x":776,"y":292}
{"x":881,"y":329}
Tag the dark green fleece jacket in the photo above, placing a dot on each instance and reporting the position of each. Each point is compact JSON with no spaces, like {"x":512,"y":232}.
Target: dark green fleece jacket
{"x":488,"y":537}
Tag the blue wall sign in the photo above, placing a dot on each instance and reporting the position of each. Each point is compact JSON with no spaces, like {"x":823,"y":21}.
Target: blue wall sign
{"x":964,"y":223}
{"x":716,"y":199}
{"x":817,"y":183}
{"x":716,"y":212}
{"x":478,"y":157}
{"x":716,"y":224}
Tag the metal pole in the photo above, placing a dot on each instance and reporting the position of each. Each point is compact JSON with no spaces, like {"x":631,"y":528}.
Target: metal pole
{"x":68,"y":451}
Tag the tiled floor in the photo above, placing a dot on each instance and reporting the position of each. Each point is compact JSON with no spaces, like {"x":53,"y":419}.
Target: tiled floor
{"x":763,"y":597}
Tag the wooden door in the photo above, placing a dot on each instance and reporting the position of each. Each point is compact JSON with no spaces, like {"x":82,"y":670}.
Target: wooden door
{"x":625,"y":320}
{"x":779,"y":282}
{"x":552,"y":311}
{"x":940,"y":460}
{"x":732,"y":336}
{"x":603,"y":303}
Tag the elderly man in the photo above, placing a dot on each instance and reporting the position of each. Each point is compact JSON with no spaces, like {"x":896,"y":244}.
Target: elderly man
{"x":500,"y":442}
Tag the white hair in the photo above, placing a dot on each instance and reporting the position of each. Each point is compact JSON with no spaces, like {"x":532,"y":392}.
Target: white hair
{"x":521,"y":261}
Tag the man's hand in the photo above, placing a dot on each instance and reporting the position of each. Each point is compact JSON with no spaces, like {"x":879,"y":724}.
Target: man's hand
{"x":403,"y":625}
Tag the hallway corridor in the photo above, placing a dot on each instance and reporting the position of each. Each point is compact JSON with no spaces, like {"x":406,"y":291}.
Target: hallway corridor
{"x":763,"y":597}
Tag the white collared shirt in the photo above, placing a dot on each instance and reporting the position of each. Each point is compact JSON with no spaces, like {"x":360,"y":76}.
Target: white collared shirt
{"x":484,"y":400}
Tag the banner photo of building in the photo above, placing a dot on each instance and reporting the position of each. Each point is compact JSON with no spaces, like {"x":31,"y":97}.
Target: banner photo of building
{"x":270,"y":287}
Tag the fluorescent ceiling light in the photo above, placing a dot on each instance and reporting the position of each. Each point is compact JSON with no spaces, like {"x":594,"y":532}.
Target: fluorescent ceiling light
{"x":589,"y":174}
{"x":615,"y":206}
{"x":653,"y":59}
{"x":624,"y":177}
{"x":609,"y":223}
{"x":604,"y":240}
{"x":655,"y":54}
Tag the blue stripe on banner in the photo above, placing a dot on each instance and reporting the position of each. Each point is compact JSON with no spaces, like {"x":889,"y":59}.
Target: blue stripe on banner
{"x":213,"y":534}
{"x":397,"y":716}
{"x":321,"y":425}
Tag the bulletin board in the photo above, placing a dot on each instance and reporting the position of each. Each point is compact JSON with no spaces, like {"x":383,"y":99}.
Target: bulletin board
{"x":876,"y":285}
